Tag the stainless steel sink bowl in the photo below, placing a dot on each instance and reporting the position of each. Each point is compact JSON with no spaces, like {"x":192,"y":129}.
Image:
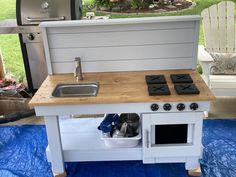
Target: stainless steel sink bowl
{"x":76,"y":90}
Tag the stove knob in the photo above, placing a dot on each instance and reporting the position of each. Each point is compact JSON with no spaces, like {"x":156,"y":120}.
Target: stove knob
{"x":31,"y":36}
{"x":180,"y":106}
{"x":167,"y":107}
{"x":154,"y":107}
{"x":193,"y":106}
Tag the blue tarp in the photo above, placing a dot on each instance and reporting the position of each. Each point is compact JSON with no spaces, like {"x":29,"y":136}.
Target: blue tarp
{"x":125,"y":169}
{"x":22,"y":154}
{"x":219,"y":155}
{"x":22,"y":151}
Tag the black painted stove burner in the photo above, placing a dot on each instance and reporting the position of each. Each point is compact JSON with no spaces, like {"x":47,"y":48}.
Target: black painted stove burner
{"x":160,"y":89}
{"x":184,"y":89}
{"x":155,"y":79}
{"x":181,"y":78}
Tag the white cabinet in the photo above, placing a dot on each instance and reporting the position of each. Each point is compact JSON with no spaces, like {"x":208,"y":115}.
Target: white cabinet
{"x":172,"y":137}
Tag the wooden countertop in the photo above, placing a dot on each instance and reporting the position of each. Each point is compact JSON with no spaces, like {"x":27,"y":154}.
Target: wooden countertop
{"x":118,"y":87}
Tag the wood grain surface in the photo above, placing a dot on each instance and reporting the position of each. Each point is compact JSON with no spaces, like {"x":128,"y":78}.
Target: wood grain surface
{"x":118,"y":87}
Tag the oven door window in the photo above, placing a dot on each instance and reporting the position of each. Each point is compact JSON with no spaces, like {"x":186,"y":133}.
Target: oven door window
{"x":171,"y":134}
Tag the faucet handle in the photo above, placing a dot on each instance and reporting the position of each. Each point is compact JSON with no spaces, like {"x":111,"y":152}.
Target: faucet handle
{"x":77,"y":59}
{"x":77,"y":62}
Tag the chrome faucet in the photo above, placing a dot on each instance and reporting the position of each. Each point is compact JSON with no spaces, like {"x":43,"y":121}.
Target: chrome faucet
{"x":78,"y":69}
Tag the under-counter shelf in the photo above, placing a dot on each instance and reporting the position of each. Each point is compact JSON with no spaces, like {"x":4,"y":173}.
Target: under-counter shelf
{"x":81,"y":141}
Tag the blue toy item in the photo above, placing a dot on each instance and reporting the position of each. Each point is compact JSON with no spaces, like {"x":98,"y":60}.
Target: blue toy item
{"x":108,"y":123}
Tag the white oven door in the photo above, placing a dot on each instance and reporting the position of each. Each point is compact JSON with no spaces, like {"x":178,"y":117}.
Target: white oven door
{"x":172,"y":137}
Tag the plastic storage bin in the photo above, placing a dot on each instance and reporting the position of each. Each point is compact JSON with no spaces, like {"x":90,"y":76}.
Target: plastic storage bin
{"x":125,"y":142}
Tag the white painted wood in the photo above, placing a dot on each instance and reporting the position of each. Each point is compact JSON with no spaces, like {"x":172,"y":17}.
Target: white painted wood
{"x":223,"y":81}
{"x":190,"y":130}
{"x":46,"y":50}
{"x":175,"y":150}
{"x":231,"y":37}
{"x":119,"y":154}
{"x":81,"y":141}
{"x":195,"y":48}
{"x":170,"y":160}
{"x":192,"y":163}
{"x":124,"y":65}
{"x":113,"y":108}
{"x":205,"y":61}
{"x":204,"y":55}
{"x":77,"y":145}
{"x":126,"y":27}
{"x":230,"y":78}
{"x":123,"y":58}
{"x":214,"y":28}
{"x":224,"y":92}
{"x":126,"y":21}
{"x":122,"y":38}
{"x":222,"y":26}
{"x":54,"y":141}
{"x":90,"y":54}
{"x":103,"y":44}
{"x":223,"y":84}
{"x":219,"y":27}
{"x":206,"y":29}
{"x":219,"y":32}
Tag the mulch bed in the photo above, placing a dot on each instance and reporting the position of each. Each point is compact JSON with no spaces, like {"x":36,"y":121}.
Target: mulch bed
{"x":155,"y":7}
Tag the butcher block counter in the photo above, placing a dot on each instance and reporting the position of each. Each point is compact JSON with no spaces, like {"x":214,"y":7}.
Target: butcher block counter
{"x":118,"y":87}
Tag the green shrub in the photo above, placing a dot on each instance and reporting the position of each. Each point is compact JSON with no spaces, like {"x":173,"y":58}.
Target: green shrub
{"x":199,"y":68}
{"x":104,"y":3}
{"x":140,"y":4}
{"x":136,"y":4}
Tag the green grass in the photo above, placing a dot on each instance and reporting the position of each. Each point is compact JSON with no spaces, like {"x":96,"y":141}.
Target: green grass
{"x":7,"y":9}
{"x":11,"y":51}
{"x":9,"y":44}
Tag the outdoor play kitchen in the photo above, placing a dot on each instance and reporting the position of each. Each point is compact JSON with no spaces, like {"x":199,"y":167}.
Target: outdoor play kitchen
{"x":140,"y":73}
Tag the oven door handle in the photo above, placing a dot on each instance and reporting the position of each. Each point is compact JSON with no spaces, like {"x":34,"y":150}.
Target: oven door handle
{"x":148,"y":139}
{"x":29,"y":19}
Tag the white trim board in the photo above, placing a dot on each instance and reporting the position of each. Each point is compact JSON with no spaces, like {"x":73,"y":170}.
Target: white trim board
{"x":64,"y":110}
{"x":156,"y":43}
{"x":122,"y":21}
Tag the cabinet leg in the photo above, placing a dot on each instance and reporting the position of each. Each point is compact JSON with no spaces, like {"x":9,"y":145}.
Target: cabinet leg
{"x":196,"y":172}
{"x":55,"y":145}
{"x":191,"y":163}
{"x":60,"y":175}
